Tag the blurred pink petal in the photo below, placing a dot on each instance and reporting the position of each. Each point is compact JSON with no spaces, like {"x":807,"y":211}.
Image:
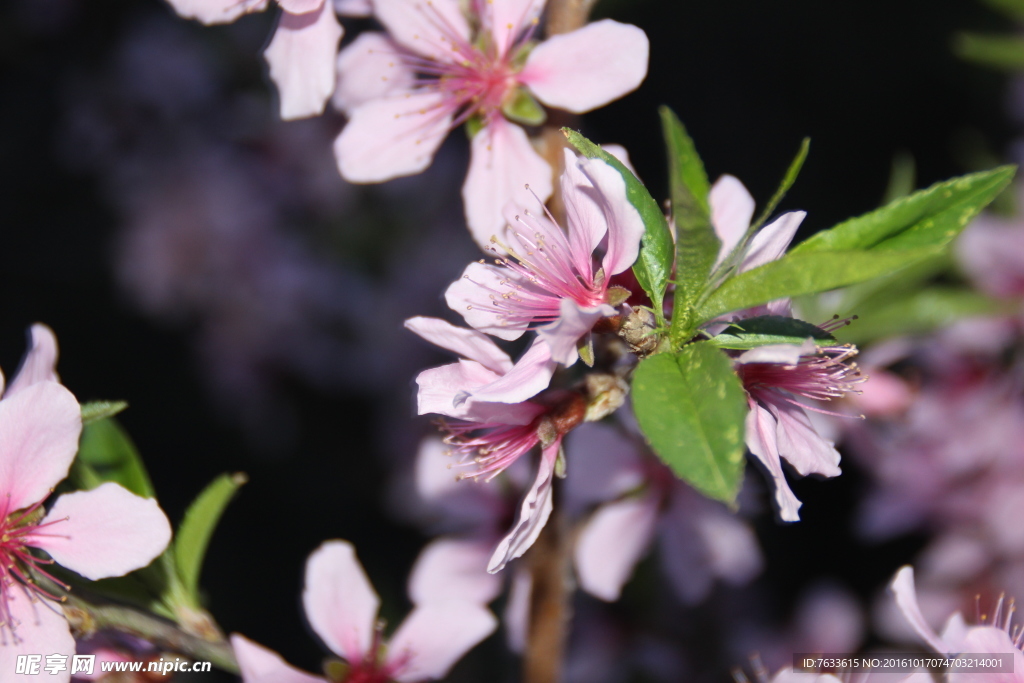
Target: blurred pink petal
{"x":427,"y":28}
{"x":41,"y":629}
{"x":391,"y":137}
{"x":505,"y":19}
{"x":611,"y":543}
{"x":302,"y":56}
{"x":784,"y":354}
{"x":108,"y":531}
{"x":261,"y":665}
{"x":353,"y":8}
{"x":762,"y":441}
{"x":502,"y":163}
{"x":530,"y":375}
{"x":462,"y":342}
{"x":216,"y":11}
{"x":903,"y":590}
{"x":39,"y":363}
{"x":564,"y":71}
{"x":732,"y":209}
{"x":770,"y":242}
{"x":517,"y":609}
{"x":573,"y":322}
{"x":800,"y":444}
{"x":472,"y":297}
{"x":369,"y":68}
{"x":454,"y":569}
{"x":300,"y":6}
{"x":436,"y":635}
{"x":340,"y":603}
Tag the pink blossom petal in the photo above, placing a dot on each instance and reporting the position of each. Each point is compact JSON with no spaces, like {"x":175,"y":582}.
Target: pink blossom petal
{"x":454,"y":569}
{"x":300,"y":6}
{"x":391,"y":137}
{"x":506,"y":19}
{"x":431,"y":28}
{"x":435,"y":636}
{"x":502,"y":163}
{"x":108,"y":531}
{"x":528,"y":377}
{"x":262,"y":665}
{"x":609,"y":465}
{"x":533,"y":514}
{"x":448,"y":390}
{"x":732,"y":209}
{"x":800,"y":444}
{"x":587,"y":224}
{"x":761,"y":429}
{"x":39,"y":363}
{"x":903,"y":590}
{"x":784,"y":354}
{"x":611,"y":543}
{"x":40,"y":629}
{"x":340,"y":603}
{"x":466,"y":343}
{"x":39,"y":429}
{"x":353,"y":8}
{"x":772,"y":240}
{"x":564,"y":71}
{"x":369,"y":68}
{"x":625,"y":226}
{"x":683,"y":555}
{"x":730,"y":547}
{"x":573,"y":322}
{"x":301,"y":58}
{"x":474,"y":294}
{"x":954,"y":634}
{"x":886,"y":394}
{"x":517,"y":610}
{"x":620,"y":153}
{"x":216,"y":11}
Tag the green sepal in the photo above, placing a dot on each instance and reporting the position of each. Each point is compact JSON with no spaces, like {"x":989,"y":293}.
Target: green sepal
{"x":806,"y":273}
{"x":94,"y":411}
{"x":523,"y":108}
{"x":691,"y":407}
{"x":927,"y":218}
{"x":653,"y":266}
{"x":750,"y":333}
{"x":697,"y":245}
{"x":106,"y":453}
{"x":197,"y":527}
{"x":474,"y":124}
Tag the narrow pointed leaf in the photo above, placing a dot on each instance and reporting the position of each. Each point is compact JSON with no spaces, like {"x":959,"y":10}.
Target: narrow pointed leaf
{"x":750,"y":333}
{"x":197,"y":527}
{"x":792,"y":173}
{"x":927,"y":218}
{"x":996,"y":51}
{"x":94,"y":411}
{"x":805,"y":273}
{"x":691,"y":408}
{"x":653,"y":267}
{"x":109,"y":455}
{"x":697,"y":245}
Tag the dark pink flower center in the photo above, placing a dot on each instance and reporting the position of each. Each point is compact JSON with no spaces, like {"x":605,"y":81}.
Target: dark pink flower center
{"x":488,"y":448}
{"x":821,"y":377}
{"x":18,"y":564}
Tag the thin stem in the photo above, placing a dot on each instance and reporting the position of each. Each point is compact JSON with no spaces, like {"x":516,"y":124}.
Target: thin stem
{"x":549,"y":602}
{"x":88,"y":618}
{"x":568,"y":15}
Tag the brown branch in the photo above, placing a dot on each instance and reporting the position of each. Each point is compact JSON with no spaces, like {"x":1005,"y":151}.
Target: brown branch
{"x":568,"y":15}
{"x":549,"y":602}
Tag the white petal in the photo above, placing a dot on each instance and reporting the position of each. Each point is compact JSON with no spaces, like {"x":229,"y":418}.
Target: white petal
{"x":435,"y":636}
{"x":301,"y":58}
{"x":785,"y":354}
{"x":732,"y":209}
{"x":528,"y":377}
{"x":369,"y":68}
{"x":428,"y":27}
{"x":216,"y":11}
{"x":800,"y":444}
{"x":772,"y":240}
{"x":454,"y":569}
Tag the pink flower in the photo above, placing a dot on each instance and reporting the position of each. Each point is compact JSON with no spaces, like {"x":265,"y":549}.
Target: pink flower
{"x":101,"y":533}
{"x":642,"y":501}
{"x":301,"y":54}
{"x":778,"y":425}
{"x":489,"y":434}
{"x":548,"y":278}
{"x":957,"y":637}
{"x":438,"y":67}
{"x":732,"y":209}
{"x":341,"y":607}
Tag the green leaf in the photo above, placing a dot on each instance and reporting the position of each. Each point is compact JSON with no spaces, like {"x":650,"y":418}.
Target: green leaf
{"x":919,"y":312}
{"x":653,"y":267}
{"x":697,"y":245}
{"x":94,"y":411}
{"x":787,"y":183}
{"x":108,"y":454}
{"x":197,"y":527}
{"x":523,"y":108}
{"x":805,"y":273}
{"x":768,"y":329}
{"x":1005,"y":52}
{"x":691,"y":407}
{"x":928,"y":218}
{"x":1012,"y":8}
